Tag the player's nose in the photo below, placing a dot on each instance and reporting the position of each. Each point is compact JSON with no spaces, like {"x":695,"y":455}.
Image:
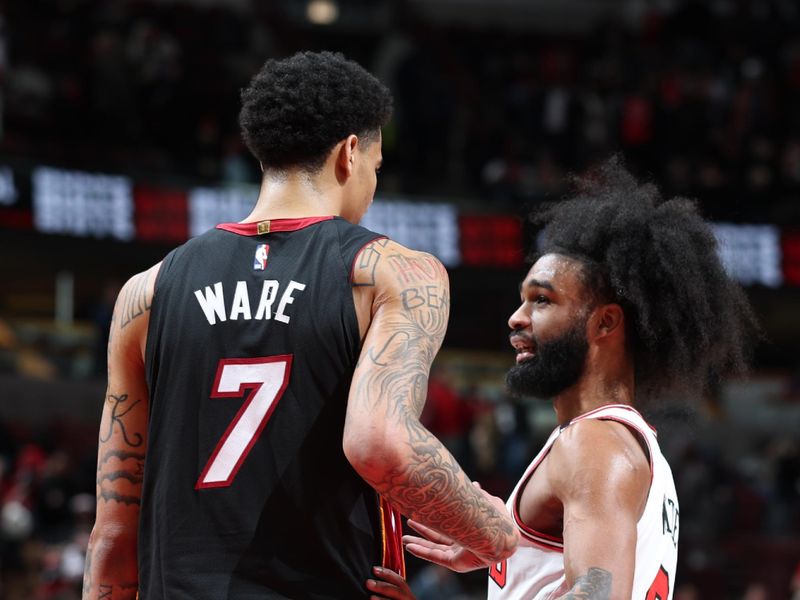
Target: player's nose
{"x":519,"y":319}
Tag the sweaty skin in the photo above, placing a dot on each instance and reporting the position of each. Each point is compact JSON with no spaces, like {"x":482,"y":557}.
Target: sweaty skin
{"x":592,"y":487}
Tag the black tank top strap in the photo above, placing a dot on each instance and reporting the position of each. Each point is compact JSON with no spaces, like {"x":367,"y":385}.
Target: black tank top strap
{"x":353,"y":239}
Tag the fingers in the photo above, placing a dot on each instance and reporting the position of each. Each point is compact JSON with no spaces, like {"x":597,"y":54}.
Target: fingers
{"x":416,"y":542}
{"x":390,"y":576}
{"x":429,"y":533}
{"x":393,"y":586}
{"x":431,"y":554}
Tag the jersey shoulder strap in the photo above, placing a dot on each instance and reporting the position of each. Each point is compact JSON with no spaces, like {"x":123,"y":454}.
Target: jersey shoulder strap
{"x":353,"y":239}
{"x":623,"y":413}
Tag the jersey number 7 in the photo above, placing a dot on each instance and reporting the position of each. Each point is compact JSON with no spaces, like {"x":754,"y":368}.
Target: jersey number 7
{"x":267,"y":378}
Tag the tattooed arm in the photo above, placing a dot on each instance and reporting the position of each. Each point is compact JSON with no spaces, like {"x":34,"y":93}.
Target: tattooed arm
{"x":601,"y":476}
{"x":383,"y":438}
{"x":111,"y":570}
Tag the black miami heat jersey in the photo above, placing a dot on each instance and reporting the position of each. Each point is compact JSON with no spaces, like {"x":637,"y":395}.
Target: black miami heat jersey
{"x":247,"y":494}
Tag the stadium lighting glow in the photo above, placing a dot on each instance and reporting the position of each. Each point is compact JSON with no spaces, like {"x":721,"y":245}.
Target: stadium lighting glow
{"x":322,"y":12}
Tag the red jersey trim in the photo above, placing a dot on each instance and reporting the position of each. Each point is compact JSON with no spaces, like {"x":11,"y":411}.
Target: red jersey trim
{"x":542,"y":539}
{"x":393,"y":556}
{"x":271,"y":225}
{"x":541,"y":543}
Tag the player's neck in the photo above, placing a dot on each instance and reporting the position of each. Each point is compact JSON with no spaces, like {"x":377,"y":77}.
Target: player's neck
{"x":593,"y":390}
{"x":293,"y":195}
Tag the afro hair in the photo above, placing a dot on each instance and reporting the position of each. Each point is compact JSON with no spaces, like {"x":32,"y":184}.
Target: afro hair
{"x":687,"y":322}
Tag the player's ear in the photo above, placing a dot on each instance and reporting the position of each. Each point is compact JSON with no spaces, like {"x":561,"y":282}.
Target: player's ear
{"x":345,"y":155}
{"x":610,"y":320}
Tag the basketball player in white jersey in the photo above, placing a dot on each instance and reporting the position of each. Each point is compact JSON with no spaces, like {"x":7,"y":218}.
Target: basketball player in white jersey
{"x":627,"y":299}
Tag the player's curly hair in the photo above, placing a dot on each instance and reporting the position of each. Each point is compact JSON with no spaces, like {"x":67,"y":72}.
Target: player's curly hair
{"x":687,"y":322}
{"x":296,"y":109}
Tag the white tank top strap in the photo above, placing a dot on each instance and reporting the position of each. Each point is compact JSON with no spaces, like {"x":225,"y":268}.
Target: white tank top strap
{"x":622,"y":411}
{"x":632,"y":418}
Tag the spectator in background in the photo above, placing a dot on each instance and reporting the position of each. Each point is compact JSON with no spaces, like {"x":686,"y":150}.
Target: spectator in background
{"x":446,"y":414}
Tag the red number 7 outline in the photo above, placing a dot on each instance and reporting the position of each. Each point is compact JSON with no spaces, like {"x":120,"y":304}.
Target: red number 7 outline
{"x":268,"y":377}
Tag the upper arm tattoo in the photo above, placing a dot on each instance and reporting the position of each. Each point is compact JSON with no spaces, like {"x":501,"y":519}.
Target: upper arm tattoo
{"x":400,"y":364}
{"x":431,"y":487}
{"x":367,"y":262}
{"x":134,"y":300}
{"x":595,"y":585}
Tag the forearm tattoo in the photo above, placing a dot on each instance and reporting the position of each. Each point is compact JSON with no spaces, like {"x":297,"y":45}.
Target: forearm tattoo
{"x":595,"y":585}
{"x":109,"y":591}
{"x":120,"y":464}
{"x":104,"y":591}
{"x":431,"y":487}
{"x":120,"y":457}
{"x":117,"y":414}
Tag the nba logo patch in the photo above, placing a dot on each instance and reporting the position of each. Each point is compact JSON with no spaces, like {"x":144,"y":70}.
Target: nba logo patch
{"x":260,"y":260}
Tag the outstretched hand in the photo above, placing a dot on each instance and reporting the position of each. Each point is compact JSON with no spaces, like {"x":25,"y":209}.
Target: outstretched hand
{"x":392,"y":586}
{"x":440,"y":549}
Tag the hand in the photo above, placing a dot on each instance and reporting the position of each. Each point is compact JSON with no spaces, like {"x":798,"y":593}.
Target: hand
{"x":392,"y":586}
{"x":440,"y":549}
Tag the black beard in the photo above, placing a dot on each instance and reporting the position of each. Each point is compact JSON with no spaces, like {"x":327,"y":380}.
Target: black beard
{"x":556,"y":366}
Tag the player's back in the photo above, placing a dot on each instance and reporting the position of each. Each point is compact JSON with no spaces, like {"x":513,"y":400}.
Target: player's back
{"x":252,"y":342}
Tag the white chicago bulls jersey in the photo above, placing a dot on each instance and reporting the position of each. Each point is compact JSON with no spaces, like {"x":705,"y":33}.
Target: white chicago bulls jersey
{"x":536,"y":570}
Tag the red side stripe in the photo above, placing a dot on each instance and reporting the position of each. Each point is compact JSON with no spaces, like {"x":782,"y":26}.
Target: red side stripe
{"x":533,"y":535}
{"x":392,"y":529}
{"x":541,"y":543}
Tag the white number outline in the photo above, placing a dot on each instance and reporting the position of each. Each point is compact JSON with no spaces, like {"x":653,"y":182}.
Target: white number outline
{"x":243,"y":424}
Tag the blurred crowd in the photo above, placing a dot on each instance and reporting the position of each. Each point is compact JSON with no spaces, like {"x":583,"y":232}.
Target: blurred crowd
{"x":46,"y":510}
{"x":739,"y":522}
{"x":701,"y":96}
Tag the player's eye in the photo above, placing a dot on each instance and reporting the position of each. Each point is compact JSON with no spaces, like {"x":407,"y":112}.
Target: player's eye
{"x":542,"y":299}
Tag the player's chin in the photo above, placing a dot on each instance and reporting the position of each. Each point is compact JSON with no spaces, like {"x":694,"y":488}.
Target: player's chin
{"x":520,"y":377}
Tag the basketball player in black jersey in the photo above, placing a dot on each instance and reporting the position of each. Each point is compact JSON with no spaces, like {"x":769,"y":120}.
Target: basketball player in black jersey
{"x":266,"y":378}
